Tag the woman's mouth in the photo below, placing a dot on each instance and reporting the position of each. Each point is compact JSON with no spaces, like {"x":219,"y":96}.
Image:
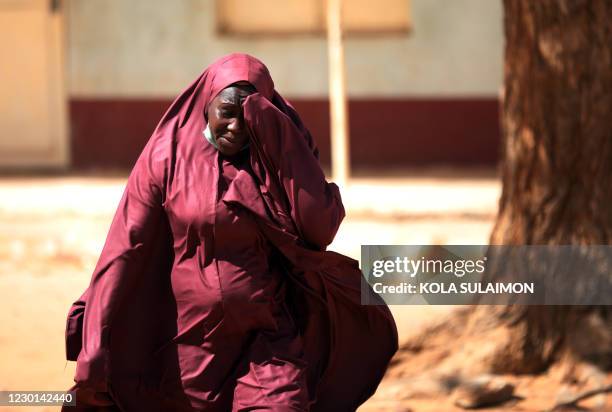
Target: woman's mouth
{"x":231,"y":143}
{"x":234,"y":140}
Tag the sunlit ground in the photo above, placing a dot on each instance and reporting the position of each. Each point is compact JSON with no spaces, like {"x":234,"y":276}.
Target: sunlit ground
{"x":53,"y":228}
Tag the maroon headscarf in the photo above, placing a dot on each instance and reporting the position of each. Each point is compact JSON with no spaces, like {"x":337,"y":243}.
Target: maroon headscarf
{"x":347,"y":345}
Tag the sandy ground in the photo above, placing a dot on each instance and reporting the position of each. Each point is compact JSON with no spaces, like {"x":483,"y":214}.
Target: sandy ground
{"x":53,"y":228}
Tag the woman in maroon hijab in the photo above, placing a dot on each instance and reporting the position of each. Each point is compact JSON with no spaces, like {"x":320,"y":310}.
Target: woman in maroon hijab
{"x":214,"y":291}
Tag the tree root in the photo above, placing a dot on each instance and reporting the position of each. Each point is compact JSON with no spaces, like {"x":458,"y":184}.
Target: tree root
{"x":573,"y":402}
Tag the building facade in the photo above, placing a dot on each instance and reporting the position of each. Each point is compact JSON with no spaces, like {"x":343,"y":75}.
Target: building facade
{"x":424,"y":94}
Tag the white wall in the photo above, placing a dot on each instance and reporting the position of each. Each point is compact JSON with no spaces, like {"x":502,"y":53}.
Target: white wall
{"x":157,"y":47}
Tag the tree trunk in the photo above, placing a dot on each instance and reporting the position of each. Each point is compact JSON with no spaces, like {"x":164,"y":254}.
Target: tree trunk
{"x":557,"y":164}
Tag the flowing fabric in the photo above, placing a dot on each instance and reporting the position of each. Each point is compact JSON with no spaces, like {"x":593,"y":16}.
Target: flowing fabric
{"x":214,"y":291}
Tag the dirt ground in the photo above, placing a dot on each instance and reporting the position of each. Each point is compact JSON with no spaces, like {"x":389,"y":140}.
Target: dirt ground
{"x":53,"y":228}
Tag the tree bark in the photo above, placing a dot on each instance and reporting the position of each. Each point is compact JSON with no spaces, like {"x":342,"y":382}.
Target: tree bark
{"x":556,"y":163}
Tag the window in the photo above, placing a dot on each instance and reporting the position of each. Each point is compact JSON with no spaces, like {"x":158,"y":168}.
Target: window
{"x":285,"y":17}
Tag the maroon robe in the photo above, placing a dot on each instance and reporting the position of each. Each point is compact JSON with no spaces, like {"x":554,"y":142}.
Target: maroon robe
{"x":214,"y":291}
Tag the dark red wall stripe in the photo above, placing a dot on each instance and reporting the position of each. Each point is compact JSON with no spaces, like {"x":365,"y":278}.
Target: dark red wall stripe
{"x":110,"y":133}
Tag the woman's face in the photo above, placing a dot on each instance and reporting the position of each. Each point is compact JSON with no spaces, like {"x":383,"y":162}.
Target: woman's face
{"x":225,"y":118}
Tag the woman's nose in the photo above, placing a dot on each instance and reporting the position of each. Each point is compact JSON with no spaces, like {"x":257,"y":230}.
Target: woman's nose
{"x":234,"y":125}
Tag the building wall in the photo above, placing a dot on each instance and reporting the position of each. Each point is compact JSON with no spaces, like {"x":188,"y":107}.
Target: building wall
{"x":425,"y":97}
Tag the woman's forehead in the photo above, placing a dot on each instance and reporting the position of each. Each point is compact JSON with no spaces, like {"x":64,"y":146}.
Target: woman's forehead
{"x":231,"y":97}
{"x":236,"y":92}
